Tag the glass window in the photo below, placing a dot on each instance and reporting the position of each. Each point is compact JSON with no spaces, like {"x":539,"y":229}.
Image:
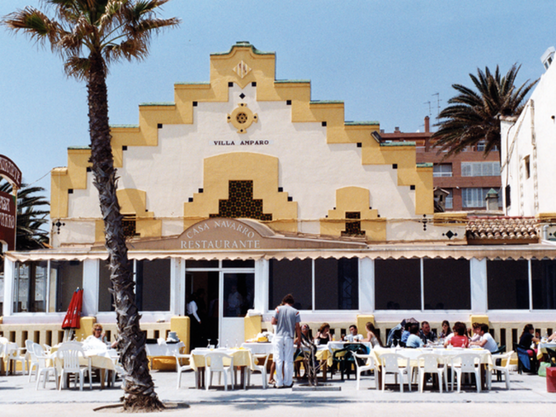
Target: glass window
{"x":291,"y":277}
{"x":449,"y":199}
{"x":105,"y":297}
{"x":480,"y":169}
{"x":544,"y":284}
{"x":239,"y":290}
{"x":337,"y":284}
{"x":507,"y":285}
{"x":397,"y":284}
{"x":30,"y":287}
{"x":152,"y":289}
{"x":442,"y":170}
{"x":447,"y":284}
{"x":65,"y":278}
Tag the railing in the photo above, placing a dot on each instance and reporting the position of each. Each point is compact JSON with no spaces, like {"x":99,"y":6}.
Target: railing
{"x":52,"y":334}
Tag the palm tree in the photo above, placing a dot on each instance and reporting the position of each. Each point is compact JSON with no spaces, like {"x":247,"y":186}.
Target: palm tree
{"x":474,"y":116}
{"x":89,"y":35}
{"x":30,"y":218}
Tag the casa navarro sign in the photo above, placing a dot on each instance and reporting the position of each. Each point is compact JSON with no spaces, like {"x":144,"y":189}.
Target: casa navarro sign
{"x":220,"y":234}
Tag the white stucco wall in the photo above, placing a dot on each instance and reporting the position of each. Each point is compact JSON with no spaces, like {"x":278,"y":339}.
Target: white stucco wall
{"x":533,"y":135}
{"x":310,"y":170}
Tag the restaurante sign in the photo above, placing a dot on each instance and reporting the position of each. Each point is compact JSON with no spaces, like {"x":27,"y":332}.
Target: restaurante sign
{"x":220,"y":234}
{"x":8,"y":202}
{"x":9,"y":170}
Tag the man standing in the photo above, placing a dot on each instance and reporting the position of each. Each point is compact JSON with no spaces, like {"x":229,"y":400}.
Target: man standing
{"x":287,"y":319}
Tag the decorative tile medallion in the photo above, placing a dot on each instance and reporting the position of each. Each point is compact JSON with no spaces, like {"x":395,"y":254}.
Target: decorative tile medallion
{"x":242,"y":69}
{"x":242,"y":118}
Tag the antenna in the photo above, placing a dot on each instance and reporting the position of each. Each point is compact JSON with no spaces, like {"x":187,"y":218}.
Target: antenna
{"x":438,"y":100}
{"x":430,"y":110}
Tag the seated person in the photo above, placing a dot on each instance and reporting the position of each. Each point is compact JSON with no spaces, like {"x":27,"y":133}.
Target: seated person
{"x":476,"y":332}
{"x":323,"y":335}
{"x":353,"y":336}
{"x":305,"y":343}
{"x":414,"y":341}
{"x":446,"y":330}
{"x":98,"y":333}
{"x":405,"y":333}
{"x":371,"y":337}
{"x":486,"y":341}
{"x":527,"y":337}
{"x":459,"y":339}
{"x":426,"y":334}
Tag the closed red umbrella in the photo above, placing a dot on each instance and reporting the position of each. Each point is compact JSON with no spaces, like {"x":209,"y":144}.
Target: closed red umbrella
{"x":71,"y":321}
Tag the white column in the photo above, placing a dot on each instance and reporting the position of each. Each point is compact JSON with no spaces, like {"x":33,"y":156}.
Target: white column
{"x":366,"y":286}
{"x":177,"y":287}
{"x":261,"y":285}
{"x":90,"y":287}
{"x":479,"y":295}
{"x":9,"y":276}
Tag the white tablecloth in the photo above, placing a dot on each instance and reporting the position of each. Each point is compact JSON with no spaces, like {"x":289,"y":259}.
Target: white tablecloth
{"x":543,"y":346}
{"x":171,"y":349}
{"x":259,"y":348}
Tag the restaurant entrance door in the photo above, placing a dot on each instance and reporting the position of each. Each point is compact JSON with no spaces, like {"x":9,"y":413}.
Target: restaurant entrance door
{"x":223,"y":292}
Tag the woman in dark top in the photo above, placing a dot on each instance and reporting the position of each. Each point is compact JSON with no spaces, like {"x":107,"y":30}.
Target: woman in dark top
{"x":528,"y":337}
{"x":323,"y":335}
{"x":446,"y":330}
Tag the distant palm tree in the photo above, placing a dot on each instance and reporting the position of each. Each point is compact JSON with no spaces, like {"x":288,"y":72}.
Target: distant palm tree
{"x":474,"y":116}
{"x":30,"y":217}
{"x":89,"y":35}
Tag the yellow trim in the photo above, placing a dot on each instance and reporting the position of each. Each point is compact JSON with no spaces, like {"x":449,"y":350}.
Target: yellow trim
{"x":262,"y":71}
{"x":362,"y":323}
{"x":239,"y":166}
{"x":481,"y":319}
{"x":354,"y":199}
{"x":181,"y":325}
{"x":251,"y":326}
{"x":133,"y":202}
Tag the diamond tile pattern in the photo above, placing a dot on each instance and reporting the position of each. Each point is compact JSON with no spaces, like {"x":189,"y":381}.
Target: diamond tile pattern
{"x":240,"y":203}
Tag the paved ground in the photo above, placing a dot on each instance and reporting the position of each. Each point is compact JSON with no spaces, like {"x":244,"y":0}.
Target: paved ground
{"x":527,"y":396}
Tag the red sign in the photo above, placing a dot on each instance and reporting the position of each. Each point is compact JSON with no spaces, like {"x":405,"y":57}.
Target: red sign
{"x":10,"y":170}
{"x":7,"y":219}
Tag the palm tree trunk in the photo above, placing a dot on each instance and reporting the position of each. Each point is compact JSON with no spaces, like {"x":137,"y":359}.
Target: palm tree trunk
{"x":139,"y":386}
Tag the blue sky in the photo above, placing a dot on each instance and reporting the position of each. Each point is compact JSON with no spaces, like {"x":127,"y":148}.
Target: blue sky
{"x":386,"y":59}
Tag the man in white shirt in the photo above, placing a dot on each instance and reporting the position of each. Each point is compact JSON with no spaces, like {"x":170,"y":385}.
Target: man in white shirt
{"x":486,"y":341}
{"x":287,"y":320}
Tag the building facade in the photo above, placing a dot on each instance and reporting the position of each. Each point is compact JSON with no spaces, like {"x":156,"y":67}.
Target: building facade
{"x":466,"y":177}
{"x":243,"y":190}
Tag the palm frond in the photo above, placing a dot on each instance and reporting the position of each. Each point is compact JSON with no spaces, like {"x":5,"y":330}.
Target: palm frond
{"x":473,"y":115}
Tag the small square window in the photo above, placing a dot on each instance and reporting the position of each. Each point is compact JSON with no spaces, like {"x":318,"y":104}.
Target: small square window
{"x":323,"y":124}
{"x":359,"y":144}
{"x":253,"y":84}
{"x":288,"y":102}
{"x":412,"y":187}
{"x":194,"y":104}
{"x":394,"y":166}
{"x":230,"y":84}
{"x":124,"y":148}
{"x":160,"y":126}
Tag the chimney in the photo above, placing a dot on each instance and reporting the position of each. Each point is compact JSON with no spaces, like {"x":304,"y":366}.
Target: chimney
{"x":396,"y":129}
{"x":427,"y":124}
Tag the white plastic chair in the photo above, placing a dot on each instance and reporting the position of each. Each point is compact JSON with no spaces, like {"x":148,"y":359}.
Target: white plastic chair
{"x":390,"y":365}
{"x":215,"y":363}
{"x":182,"y":368}
{"x":369,"y":366}
{"x":13,"y":355}
{"x":45,"y":366}
{"x":468,"y":363}
{"x":260,"y":368}
{"x":32,"y":362}
{"x":429,"y":363}
{"x":68,"y":353}
{"x":503,"y":368}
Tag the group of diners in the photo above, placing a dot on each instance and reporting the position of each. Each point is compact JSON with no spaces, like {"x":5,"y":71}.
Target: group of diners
{"x":324,"y":336}
{"x":415,"y":336}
